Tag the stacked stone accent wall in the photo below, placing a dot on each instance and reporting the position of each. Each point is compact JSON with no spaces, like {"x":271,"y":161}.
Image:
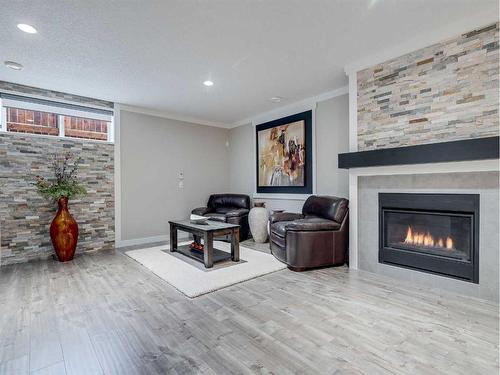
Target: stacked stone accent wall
{"x":53,"y":95}
{"x":25,"y":217}
{"x":448,"y":91}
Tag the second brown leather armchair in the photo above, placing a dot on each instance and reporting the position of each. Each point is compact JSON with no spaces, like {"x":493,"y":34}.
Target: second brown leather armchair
{"x":318,"y":237}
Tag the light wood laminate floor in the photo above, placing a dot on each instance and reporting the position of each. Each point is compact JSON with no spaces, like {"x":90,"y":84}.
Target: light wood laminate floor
{"x":106,"y":314}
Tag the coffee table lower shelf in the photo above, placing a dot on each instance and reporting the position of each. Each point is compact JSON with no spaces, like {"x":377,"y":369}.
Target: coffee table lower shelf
{"x":206,"y":233}
{"x":218,"y":256}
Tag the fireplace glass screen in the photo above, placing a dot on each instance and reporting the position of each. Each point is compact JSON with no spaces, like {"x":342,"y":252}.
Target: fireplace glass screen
{"x":437,"y":233}
{"x":447,"y":235}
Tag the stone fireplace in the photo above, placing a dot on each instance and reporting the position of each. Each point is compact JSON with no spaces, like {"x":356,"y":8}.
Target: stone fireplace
{"x":436,"y":233}
{"x":423,"y":164}
{"x":470,"y":270}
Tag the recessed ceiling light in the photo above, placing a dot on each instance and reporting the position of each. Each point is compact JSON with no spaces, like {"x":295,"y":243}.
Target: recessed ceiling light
{"x":13,"y":65}
{"x":208,"y":83}
{"x":276,"y":99}
{"x":26,"y":28}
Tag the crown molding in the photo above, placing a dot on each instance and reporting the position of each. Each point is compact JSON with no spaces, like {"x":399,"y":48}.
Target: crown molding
{"x":423,"y":40}
{"x":172,"y":116}
{"x":303,"y":104}
{"x":308,"y":102}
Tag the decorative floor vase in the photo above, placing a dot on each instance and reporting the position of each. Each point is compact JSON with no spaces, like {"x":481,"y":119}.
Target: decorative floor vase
{"x":64,"y":232}
{"x":257,"y":220}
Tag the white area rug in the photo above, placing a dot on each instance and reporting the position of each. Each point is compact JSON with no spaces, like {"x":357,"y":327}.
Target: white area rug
{"x":193,"y":281}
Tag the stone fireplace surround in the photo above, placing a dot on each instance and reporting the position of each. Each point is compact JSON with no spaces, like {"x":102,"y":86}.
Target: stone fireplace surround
{"x":405,"y":111}
{"x":479,"y":177}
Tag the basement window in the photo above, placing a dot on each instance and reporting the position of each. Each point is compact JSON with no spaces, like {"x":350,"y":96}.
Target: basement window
{"x":21,"y":120}
{"x":43,"y":117}
{"x":86,"y":128}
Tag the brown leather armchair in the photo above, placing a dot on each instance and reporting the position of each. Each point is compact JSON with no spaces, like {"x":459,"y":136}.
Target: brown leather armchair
{"x":316,"y":238}
{"x":228,"y":208}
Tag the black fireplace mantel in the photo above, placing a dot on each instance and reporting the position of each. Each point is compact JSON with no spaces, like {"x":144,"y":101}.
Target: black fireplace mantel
{"x":466,"y":150}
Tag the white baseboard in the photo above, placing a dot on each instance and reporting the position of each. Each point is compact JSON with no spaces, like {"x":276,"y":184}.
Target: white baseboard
{"x":146,"y":240}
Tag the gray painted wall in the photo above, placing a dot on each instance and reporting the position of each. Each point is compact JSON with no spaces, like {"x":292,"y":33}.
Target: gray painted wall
{"x":242,"y":163}
{"x":332,"y":138}
{"x":153,"y":151}
{"x":484,"y":183}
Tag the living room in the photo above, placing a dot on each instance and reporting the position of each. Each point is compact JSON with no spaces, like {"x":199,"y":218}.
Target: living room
{"x":249,"y":187}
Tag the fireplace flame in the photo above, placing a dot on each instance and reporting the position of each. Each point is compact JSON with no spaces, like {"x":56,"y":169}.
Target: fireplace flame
{"x":426,"y":239}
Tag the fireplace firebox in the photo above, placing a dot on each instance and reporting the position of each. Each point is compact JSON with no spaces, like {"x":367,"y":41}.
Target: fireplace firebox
{"x":437,"y":233}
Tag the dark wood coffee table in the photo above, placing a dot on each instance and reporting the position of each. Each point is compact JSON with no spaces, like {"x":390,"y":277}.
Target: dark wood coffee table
{"x":207,"y":232}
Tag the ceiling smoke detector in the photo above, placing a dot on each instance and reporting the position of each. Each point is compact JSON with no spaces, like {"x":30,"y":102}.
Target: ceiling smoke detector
{"x":13,"y":65}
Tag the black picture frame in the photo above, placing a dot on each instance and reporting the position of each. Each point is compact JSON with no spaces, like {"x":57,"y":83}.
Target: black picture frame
{"x":308,"y":177}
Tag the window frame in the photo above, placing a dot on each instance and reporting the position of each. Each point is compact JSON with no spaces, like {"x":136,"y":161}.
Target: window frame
{"x":60,"y":111}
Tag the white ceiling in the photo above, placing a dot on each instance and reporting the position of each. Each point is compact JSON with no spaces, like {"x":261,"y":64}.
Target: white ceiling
{"x":156,"y":54}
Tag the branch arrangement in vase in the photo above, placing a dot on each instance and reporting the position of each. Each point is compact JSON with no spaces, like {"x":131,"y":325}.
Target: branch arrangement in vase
{"x":64,"y":183}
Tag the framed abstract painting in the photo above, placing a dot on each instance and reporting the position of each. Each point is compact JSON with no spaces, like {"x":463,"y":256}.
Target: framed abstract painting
{"x":284,"y":155}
